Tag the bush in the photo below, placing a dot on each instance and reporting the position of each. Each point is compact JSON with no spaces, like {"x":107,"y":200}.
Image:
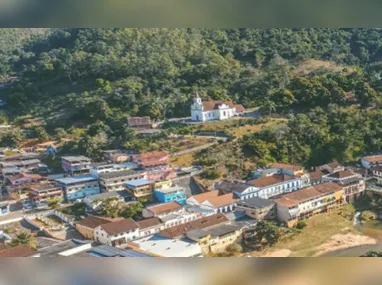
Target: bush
{"x":234,"y":248}
{"x":210,"y":174}
{"x":347,"y":211}
{"x":368,"y":216}
{"x":300,"y":225}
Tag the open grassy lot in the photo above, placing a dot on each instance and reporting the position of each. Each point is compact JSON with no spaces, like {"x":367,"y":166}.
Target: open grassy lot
{"x":318,"y":231}
{"x":184,"y":160}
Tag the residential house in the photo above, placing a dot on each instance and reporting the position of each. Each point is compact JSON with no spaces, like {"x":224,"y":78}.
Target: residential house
{"x":214,"y":201}
{"x":24,"y":165}
{"x":140,"y":189}
{"x":166,"y":247}
{"x":174,"y":193}
{"x":156,"y":164}
{"x":87,"y":225}
{"x":316,"y":177}
{"x":150,"y":226}
{"x":371,"y":161}
{"x":308,"y":201}
{"x":331,"y":167}
{"x":20,"y":156}
{"x":377,"y":173}
{"x":44,"y":192}
{"x":215,"y":239}
{"x":179,"y":231}
{"x":115,"y":181}
{"x":78,"y":187}
{"x":162,"y":210}
{"x":288,"y":169}
{"x":258,"y":208}
{"x":117,"y":233}
{"x":203,"y":111}
{"x":24,"y":178}
{"x":274,"y":185}
{"x":139,"y":122}
{"x":178,"y":218}
{"x":76,"y":165}
{"x":352,"y":183}
{"x":240,"y":190}
{"x":116,"y":156}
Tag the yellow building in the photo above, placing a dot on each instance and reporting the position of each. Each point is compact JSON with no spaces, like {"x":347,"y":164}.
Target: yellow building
{"x":140,"y":189}
{"x":163,"y":184}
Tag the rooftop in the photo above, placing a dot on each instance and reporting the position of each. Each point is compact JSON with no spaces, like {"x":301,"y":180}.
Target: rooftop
{"x":270,"y":180}
{"x":200,"y":198}
{"x":201,"y":223}
{"x":121,"y":226}
{"x":148,"y":223}
{"x":106,"y":195}
{"x":75,"y":158}
{"x":139,"y":121}
{"x":116,"y":174}
{"x":316,"y":175}
{"x":170,"y":189}
{"x":17,"y":251}
{"x":212,"y":105}
{"x":328,"y":187}
{"x":24,"y":175}
{"x":94,"y":221}
{"x":109,"y":251}
{"x":164,"y":208}
{"x":256,"y":203}
{"x":218,"y":231}
{"x":138,"y":182}
{"x":56,"y":249}
{"x":223,"y":200}
{"x":227,"y":186}
{"x":342,"y":174}
{"x":77,"y":179}
{"x":373,"y":158}
{"x":167,"y":247}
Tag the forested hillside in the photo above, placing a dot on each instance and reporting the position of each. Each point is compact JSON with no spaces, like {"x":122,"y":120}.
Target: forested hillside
{"x":106,"y":75}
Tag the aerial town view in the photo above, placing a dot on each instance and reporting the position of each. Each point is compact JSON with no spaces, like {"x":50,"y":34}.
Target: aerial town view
{"x":190,"y":142}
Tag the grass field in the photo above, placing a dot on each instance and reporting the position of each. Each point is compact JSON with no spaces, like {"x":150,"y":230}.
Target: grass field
{"x":318,"y":231}
{"x":184,"y":160}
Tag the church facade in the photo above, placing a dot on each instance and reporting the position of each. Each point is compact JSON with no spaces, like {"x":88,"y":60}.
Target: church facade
{"x":202,"y":111}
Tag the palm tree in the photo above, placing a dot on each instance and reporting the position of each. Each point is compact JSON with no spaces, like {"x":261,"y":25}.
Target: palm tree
{"x":270,"y":106}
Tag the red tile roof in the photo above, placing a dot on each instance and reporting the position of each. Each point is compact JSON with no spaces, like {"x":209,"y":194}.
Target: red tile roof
{"x":17,"y":251}
{"x":327,"y":187}
{"x":240,"y":108}
{"x":205,"y":222}
{"x":212,"y":105}
{"x":342,"y":174}
{"x":223,"y":200}
{"x":285,"y":202}
{"x":121,"y":226}
{"x":270,"y":180}
{"x":374,"y":158}
{"x":24,"y":175}
{"x":93,"y":221}
{"x":148,"y":223}
{"x":164,"y":208}
{"x":205,"y":196}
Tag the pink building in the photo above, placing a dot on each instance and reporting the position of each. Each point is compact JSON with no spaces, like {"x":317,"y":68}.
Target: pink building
{"x":156,"y":164}
{"x":24,"y":178}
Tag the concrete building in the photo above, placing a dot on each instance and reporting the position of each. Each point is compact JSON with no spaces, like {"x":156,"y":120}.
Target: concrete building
{"x":78,"y":187}
{"x":258,"y":208}
{"x":116,"y":180}
{"x":117,"y":233}
{"x":45,"y":192}
{"x":76,"y":165}
{"x":171,"y":194}
{"x":140,"y":189}
{"x":87,"y":225}
{"x":214,"y":201}
{"x":371,"y":161}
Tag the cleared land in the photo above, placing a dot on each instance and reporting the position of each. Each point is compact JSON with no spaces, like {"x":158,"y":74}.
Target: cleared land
{"x":323,"y":233}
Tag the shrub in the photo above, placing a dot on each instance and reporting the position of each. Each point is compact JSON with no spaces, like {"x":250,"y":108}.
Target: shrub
{"x":347,"y":212}
{"x":210,"y":174}
{"x":234,"y":248}
{"x":368,"y":216}
{"x":300,"y":225}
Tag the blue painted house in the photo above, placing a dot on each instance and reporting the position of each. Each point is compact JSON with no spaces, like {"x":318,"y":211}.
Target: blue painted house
{"x":171,"y":194}
{"x":79,"y":187}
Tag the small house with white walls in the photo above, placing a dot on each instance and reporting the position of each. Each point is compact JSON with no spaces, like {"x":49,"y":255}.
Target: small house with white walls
{"x":202,"y":111}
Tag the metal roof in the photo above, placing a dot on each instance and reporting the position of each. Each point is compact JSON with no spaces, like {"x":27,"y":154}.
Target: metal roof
{"x":138,"y":182}
{"x":77,"y":179}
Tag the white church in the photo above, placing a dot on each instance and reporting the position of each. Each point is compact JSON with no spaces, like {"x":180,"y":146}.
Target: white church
{"x":202,"y":111}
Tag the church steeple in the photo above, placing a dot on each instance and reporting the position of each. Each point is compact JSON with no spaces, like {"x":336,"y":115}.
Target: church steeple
{"x":197,"y":99}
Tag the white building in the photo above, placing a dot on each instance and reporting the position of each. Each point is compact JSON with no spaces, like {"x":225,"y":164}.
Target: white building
{"x":213,"y":110}
{"x":371,"y":161}
{"x":117,"y":233}
{"x":167,"y":247}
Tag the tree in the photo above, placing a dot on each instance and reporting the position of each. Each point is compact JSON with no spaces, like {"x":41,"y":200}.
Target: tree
{"x":266,"y":234}
{"x":24,"y":238}
{"x":114,"y":208}
{"x":41,"y":133}
{"x":270,"y":106}
{"x":372,"y":254}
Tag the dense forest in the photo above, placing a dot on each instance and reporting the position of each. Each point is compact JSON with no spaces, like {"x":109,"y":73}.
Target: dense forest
{"x":326,"y":81}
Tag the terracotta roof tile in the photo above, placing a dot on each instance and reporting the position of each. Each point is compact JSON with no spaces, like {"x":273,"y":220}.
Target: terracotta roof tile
{"x":212,"y":105}
{"x":374,"y":158}
{"x":285,"y":202}
{"x":270,"y":180}
{"x":202,"y":223}
{"x":240,"y":108}
{"x":200,"y":198}
{"x":93,"y":221}
{"x":223,"y":200}
{"x":316,"y":175}
{"x":17,"y":251}
{"x":121,"y":226}
{"x":164,"y":208}
{"x":342,"y":174}
{"x":148,"y":223}
{"x":327,"y":187}
{"x":302,"y":194}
